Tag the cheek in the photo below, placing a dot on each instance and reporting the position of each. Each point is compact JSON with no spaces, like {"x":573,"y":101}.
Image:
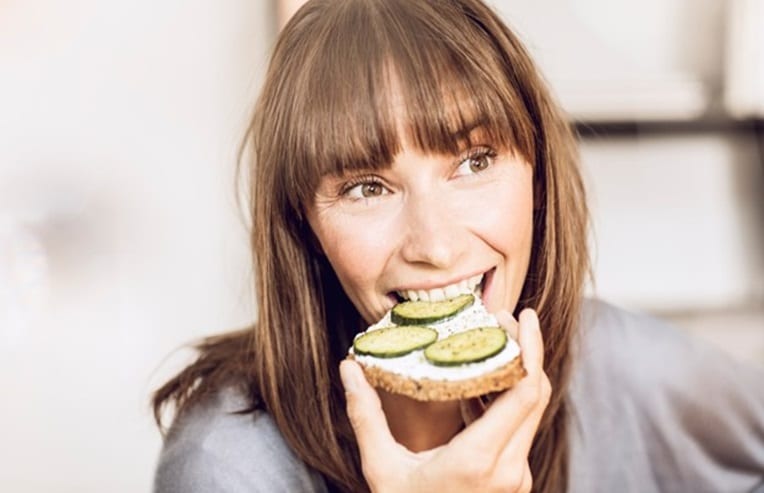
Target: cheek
{"x":356,"y":247}
{"x":347,"y":258}
{"x":506,"y":221}
{"x":506,"y":227}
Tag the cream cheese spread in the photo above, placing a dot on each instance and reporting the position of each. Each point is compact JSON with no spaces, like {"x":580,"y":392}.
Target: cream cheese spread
{"x":414,"y":365}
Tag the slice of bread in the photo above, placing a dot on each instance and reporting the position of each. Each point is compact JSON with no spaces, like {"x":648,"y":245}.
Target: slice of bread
{"x":416,"y":377}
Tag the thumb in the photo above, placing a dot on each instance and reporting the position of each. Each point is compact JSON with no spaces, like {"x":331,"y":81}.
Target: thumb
{"x":365,"y":412}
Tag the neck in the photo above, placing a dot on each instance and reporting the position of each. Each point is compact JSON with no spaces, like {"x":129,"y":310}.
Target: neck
{"x":420,"y":425}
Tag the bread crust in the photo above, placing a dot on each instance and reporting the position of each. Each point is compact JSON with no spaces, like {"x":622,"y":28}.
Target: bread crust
{"x":426,"y":389}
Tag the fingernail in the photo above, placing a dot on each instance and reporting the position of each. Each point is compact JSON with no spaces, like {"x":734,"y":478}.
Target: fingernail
{"x":348,"y":376}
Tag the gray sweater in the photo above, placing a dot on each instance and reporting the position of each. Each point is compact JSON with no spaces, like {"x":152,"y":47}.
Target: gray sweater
{"x":653,"y":411}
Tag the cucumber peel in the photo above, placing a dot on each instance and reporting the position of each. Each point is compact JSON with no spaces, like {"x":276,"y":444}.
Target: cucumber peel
{"x":391,"y":342}
{"x":427,"y":312}
{"x":470,"y":346}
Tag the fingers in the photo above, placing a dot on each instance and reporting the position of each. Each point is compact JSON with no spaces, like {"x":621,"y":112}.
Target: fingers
{"x":532,"y":391}
{"x":502,"y":420}
{"x":364,"y":410}
{"x":509,"y":323}
{"x":519,"y":445}
{"x":533,"y":346}
{"x":531,"y":341}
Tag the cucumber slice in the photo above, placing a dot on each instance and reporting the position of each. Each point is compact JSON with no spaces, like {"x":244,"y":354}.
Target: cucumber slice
{"x":427,"y":312}
{"x":391,"y":342}
{"x":469,"y":346}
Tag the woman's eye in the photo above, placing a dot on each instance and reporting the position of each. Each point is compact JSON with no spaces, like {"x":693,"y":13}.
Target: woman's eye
{"x":364,"y":190}
{"x":476,"y":162}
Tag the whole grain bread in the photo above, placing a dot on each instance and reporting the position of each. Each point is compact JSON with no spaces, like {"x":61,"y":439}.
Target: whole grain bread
{"x":426,"y":389}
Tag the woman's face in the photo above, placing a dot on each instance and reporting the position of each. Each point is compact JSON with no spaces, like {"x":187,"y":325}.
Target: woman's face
{"x":427,"y":224}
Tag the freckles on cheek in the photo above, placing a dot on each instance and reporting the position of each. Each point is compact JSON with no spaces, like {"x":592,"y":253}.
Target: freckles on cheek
{"x":505,"y":214}
{"x":505,"y":221}
{"x":506,"y":232}
{"x":343,"y":255}
{"x":355,"y":251}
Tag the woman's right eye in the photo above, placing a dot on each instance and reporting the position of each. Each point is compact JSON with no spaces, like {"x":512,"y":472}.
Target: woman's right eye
{"x":364,"y":189}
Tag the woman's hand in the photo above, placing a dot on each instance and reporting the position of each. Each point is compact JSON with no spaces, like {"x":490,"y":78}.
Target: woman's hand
{"x":491,"y":454}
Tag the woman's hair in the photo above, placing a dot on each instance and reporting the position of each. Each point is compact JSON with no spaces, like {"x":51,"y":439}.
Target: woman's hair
{"x":338,"y":70}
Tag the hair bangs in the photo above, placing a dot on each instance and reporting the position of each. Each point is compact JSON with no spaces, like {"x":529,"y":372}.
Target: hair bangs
{"x":454,"y":84}
{"x":379,"y":69}
{"x":342,"y":118}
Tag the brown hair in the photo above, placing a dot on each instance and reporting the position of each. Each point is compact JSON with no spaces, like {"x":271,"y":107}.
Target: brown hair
{"x":325,"y":107}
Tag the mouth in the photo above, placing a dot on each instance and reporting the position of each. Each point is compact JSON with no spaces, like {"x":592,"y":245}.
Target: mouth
{"x":471,"y":285}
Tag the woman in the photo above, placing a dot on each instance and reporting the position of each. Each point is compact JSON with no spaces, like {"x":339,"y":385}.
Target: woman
{"x":403,"y":146}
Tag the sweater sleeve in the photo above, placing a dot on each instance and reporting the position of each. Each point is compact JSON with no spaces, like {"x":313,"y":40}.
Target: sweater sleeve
{"x":657,"y":410}
{"x":196,"y":470}
{"x":212,"y":450}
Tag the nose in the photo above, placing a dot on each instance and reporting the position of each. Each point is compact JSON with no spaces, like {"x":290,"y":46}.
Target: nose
{"x":431,"y":232}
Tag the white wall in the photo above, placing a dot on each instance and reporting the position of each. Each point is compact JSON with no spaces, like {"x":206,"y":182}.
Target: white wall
{"x":616,"y":59}
{"x":119,"y":236}
{"x":678,"y":220}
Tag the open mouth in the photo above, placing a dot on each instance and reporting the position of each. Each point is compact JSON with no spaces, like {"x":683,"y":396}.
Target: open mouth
{"x":473,"y":285}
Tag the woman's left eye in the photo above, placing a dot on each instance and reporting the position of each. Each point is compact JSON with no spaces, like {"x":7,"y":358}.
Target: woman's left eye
{"x":363,"y":188}
{"x":476,"y":161}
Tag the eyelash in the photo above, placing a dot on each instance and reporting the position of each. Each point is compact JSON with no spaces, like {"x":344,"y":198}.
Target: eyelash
{"x":477,"y":153}
{"x":359,"y":181}
{"x":472,"y":155}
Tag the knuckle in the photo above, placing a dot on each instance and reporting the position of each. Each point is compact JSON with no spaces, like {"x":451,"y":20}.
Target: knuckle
{"x":527,"y":486}
{"x":515,"y":479}
{"x":527,"y":483}
{"x":371,"y":472}
{"x":533,"y":395}
{"x":510,"y":481}
{"x":477,"y":470}
{"x":528,"y":397}
{"x":354,"y":413}
{"x":546,"y":389}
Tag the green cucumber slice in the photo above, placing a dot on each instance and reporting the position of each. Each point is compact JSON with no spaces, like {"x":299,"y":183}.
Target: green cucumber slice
{"x":427,"y":312}
{"x":391,"y":342}
{"x":469,"y":346}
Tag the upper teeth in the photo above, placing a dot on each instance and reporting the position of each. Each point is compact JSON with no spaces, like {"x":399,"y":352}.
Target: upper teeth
{"x":466,"y":286}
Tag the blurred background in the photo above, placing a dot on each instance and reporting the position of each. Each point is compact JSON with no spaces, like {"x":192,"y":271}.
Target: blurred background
{"x":120,"y":238}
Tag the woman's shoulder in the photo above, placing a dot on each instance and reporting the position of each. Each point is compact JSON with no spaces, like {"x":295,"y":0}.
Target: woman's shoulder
{"x":624,"y":361}
{"x":605,"y":324}
{"x":642,"y":358}
{"x":214,"y":446}
{"x":643,"y":353}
